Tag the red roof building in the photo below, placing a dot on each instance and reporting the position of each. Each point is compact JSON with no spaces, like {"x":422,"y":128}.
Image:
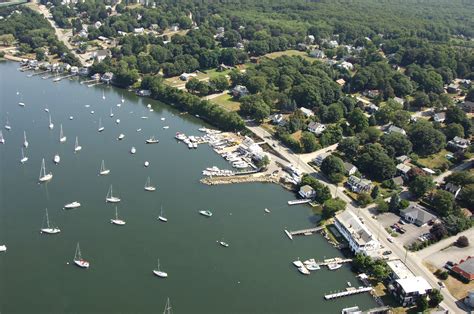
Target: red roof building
{"x":465,"y":268}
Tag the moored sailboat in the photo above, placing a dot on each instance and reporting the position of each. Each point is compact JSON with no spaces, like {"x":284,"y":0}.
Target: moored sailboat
{"x":167,"y":307}
{"x":78,"y":260}
{"x":25,"y":142}
{"x":148,"y":186}
{"x":23,"y":157}
{"x":101,"y":128}
{"x":2,"y":139}
{"x":49,"y":229}
{"x":51,"y":125}
{"x":116,"y":220}
{"x":162,"y":217}
{"x":62,"y":138}
{"x":7,"y":124}
{"x":44,"y":177}
{"x":77,"y":147}
{"x":110,"y":198}
{"x":158,"y":272}
{"x":103,"y":171}
{"x":121,"y":136}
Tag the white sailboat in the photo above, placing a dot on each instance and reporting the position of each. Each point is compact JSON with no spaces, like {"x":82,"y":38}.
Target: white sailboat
{"x":2,"y":139}
{"x":72,"y":205}
{"x":133,"y":150}
{"x":78,"y":260}
{"x":23,"y":157}
{"x":44,"y":177}
{"x":121,"y":136}
{"x":25,"y":142}
{"x":103,"y":171}
{"x":101,"y":128}
{"x":62,"y":138}
{"x":158,"y":272}
{"x":122,"y":100}
{"x":103,"y":95}
{"x":77,"y":147}
{"x":49,"y":229}
{"x":110,"y":198}
{"x":111,"y":113}
{"x":3,"y":248}
{"x":167,"y":307}
{"x":56,"y":159}
{"x":7,"y":124}
{"x":152,"y":140}
{"x":116,"y":220}
{"x":148,"y":186}
{"x":224,"y":244}
{"x":162,"y":217}
{"x":51,"y":125}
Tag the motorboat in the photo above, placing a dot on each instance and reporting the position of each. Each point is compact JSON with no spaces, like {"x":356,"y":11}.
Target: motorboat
{"x":163,"y":119}
{"x":117,"y":221}
{"x":334,"y":266}
{"x":313,"y":266}
{"x":166,"y":127}
{"x":133,"y":150}
{"x":206,"y":213}
{"x":298,"y":263}
{"x":21,"y":104}
{"x":117,"y":121}
{"x":303,"y":270}
{"x":180,"y":136}
{"x":71,"y":117}
{"x":3,"y":248}
{"x":72,"y":205}
{"x":267,"y":210}
{"x":111,"y":113}
{"x":121,"y":136}
{"x":224,"y":244}
{"x":152,"y":140}
{"x":56,"y":159}
{"x":78,"y":260}
{"x":146,"y":164}
{"x":49,"y":229}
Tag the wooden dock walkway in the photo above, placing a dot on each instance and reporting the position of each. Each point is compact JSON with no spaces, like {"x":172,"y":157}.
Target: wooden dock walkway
{"x":348,"y":292}
{"x":336,"y":260}
{"x":309,"y":231}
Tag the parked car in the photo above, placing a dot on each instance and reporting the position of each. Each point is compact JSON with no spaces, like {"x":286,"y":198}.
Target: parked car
{"x":390,"y":239}
{"x":403,"y":222}
{"x":441,"y":284}
{"x":387,"y":252}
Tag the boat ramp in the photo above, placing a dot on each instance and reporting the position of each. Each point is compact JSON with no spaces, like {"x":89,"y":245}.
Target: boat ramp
{"x":349,"y":291}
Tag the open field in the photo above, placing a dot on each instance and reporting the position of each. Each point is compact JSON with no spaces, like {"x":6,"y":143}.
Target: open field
{"x":227,"y":102}
{"x":435,"y":161}
{"x":274,"y":55}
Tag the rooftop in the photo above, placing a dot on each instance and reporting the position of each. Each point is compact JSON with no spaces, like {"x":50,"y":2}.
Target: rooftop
{"x":356,"y":228}
{"x":399,"y":269}
{"x":467,"y":265}
{"x":414,"y":284}
{"x":418,"y":212}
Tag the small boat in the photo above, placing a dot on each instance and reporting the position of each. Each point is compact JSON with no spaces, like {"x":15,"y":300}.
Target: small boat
{"x":148,"y":106}
{"x":162,"y":217}
{"x":303,"y":270}
{"x":101,"y":128}
{"x":133,"y":150}
{"x":7,"y":124}
{"x":72,"y":205}
{"x":298,"y":263}
{"x":21,"y":104}
{"x":77,"y":147}
{"x":46,"y":109}
{"x":111,"y":113}
{"x":334,"y":266}
{"x":139,"y":130}
{"x":119,"y":105}
{"x":224,"y":244}
{"x":2,"y":139}
{"x":148,"y":186}
{"x":158,"y":272}
{"x":206,"y":213}
{"x":62,"y":138}
{"x":122,"y":100}
{"x":44,"y":177}
{"x":103,"y":171}
{"x":116,"y":220}
{"x":110,"y":198}
{"x":180,"y":136}
{"x":51,"y":125}
{"x":121,"y":136}
{"x":78,"y":260}
{"x":103,"y":95}
{"x":25,"y":142}
{"x":23,"y":157}
{"x":3,"y":248}
{"x":146,"y":164}
{"x":56,"y":159}
{"x":87,"y":106}
{"x":167,"y":307}
{"x":144,"y":117}
{"x":49,"y":229}
{"x":166,"y":127}
{"x":71,"y":117}
{"x":313,"y":267}
{"x":163,"y":119}
{"x":152,"y":140}
{"x":117,"y":121}
{"x":267,"y":210}
{"x":92,"y":111}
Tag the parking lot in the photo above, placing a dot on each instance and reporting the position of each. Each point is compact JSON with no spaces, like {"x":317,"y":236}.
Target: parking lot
{"x":412,"y":232}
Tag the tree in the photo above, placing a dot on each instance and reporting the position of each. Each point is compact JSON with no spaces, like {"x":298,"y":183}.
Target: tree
{"x":420,"y":185}
{"x":394,"y":205}
{"x":349,"y":146}
{"x":333,"y":168}
{"x":435,"y":298}
{"x":438,"y":231}
{"x":358,"y":120}
{"x":380,"y":272}
{"x":462,"y":241}
{"x":370,"y":135}
{"x":443,"y":202}
{"x":332,"y":206}
{"x":382,"y":206}
{"x":461,"y":178}
{"x":231,"y":38}
{"x":7,"y":39}
{"x":364,"y":199}
{"x":219,"y":83}
{"x":466,"y":196}
{"x":254,"y":107}
{"x":192,"y":85}
{"x":331,"y":135}
{"x":452,"y":130}
{"x":425,"y":139}
{"x":374,"y":161}
{"x":309,"y":142}
{"x":422,"y":304}
{"x":470,"y":95}
{"x":375,"y":192}
{"x":396,"y":144}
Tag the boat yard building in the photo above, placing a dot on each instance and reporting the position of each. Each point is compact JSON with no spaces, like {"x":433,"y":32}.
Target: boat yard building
{"x":356,"y":233}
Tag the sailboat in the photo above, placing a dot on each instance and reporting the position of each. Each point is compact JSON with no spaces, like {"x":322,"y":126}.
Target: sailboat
{"x":56,"y":159}
{"x":103,"y":171}
{"x":123,"y":100}
{"x":49,"y":229}
{"x":62,"y":138}
{"x":161,"y":216}
{"x":158,"y":272}
{"x":23,"y":157}
{"x":7,"y":124}
{"x":51,"y":125}
{"x":110,"y":198}
{"x":101,"y":128}
{"x":224,"y":244}
{"x":76,"y":146}
{"x":151,"y":140}
{"x":25,"y":142}
{"x":78,"y":260}
{"x":103,"y":95}
{"x":111,"y":113}
{"x":167,"y":307}
{"x":116,"y":220}
{"x":2,"y":140}
{"x":148,"y":186}
{"x":121,"y":136}
{"x":43,"y":177}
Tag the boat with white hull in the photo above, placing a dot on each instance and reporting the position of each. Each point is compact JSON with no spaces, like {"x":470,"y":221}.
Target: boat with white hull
{"x":101,"y":128}
{"x":78,"y":260}
{"x":148,"y":186}
{"x":121,"y":136}
{"x":3,"y":248}
{"x":2,"y":139}
{"x":51,"y":125}
{"x":72,"y":205}
{"x":103,"y":171}
{"x":206,"y":213}
{"x":23,"y":157}
{"x":77,"y":147}
{"x":110,"y":198}
{"x":152,"y":140}
{"x":117,"y":221}
{"x":62,"y":138}
{"x":158,"y":271}
{"x":44,"y":177}
{"x":162,"y":217}
{"x":56,"y":159}
{"x":133,"y":150}
{"x":49,"y":229}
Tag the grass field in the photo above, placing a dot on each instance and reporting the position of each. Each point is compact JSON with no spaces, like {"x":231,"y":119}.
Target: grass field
{"x":435,"y":161}
{"x":227,"y":102}
{"x":274,"y":55}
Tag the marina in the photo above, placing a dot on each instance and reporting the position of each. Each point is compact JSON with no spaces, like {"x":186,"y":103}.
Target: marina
{"x":131,"y":251}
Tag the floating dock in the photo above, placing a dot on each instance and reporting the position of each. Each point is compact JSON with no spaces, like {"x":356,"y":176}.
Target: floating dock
{"x":348,"y":292}
{"x":296,"y":202}
{"x":309,"y":231}
{"x":336,"y":260}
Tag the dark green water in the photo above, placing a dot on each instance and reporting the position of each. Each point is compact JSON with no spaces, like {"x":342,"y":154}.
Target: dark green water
{"x":253,"y":275}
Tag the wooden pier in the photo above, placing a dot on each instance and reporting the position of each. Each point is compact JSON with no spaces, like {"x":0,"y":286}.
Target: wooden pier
{"x":299,"y":201}
{"x":310,"y":231}
{"x":63,"y":77}
{"x":336,"y":260}
{"x":348,"y":292}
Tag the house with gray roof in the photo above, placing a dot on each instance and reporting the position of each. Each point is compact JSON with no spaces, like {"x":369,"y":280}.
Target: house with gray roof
{"x":396,"y":129}
{"x":417,"y":214}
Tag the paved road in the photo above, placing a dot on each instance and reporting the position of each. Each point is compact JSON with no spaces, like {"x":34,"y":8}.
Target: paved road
{"x":465,"y":165}
{"x":413,"y":262}
{"x":422,"y":254}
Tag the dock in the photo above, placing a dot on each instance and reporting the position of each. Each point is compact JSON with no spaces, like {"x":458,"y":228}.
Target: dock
{"x":336,"y":260}
{"x":309,"y":231}
{"x":348,"y":292}
{"x":297,"y":202}
{"x":63,"y":77}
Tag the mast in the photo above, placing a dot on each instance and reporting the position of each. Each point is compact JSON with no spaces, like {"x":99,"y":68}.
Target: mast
{"x":43,"y":169}
{"x":47,"y":218}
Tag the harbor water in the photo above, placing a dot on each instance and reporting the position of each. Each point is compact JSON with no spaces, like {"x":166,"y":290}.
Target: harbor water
{"x":253,"y":275}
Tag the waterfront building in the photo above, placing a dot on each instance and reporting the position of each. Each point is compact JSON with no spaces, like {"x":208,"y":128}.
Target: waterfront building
{"x":408,"y":290}
{"x":399,"y":270}
{"x":306,"y":192}
{"x":356,"y":233}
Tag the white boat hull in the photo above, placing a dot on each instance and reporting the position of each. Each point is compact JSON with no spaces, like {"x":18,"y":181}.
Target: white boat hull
{"x":150,"y":188}
{"x":78,"y":148}
{"x":163,"y":219}
{"x":112,"y":199}
{"x":105,"y":172}
{"x":82,"y":263}
{"x":117,"y":222}
{"x":50,"y":230}
{"x":46,"y":178}
{"x":100,"y":129}
{"x":62,"y":139}
{"x":3,"y":248}
{"x":23,"y":160}
{"x":160,"y":274}
{"x":72,"y":205}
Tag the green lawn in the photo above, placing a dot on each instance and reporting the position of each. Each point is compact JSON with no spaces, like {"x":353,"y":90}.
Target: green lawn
{"x":274,"y":55}
{"x":214,"y":73}
{"x":227,"y":102}
{"x":435,"y":161}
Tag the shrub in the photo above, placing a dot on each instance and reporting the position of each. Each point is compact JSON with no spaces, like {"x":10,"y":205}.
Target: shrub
{"x":462,"y":241}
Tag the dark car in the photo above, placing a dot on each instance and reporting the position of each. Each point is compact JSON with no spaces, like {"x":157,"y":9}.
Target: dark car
{"x":387,"y":252}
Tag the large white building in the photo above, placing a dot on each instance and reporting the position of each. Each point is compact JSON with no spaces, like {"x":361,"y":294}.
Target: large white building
{"x":356,"y":233}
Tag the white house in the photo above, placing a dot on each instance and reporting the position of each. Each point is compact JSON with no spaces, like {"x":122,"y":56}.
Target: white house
{"x":317,"y":53}
{"x":356,"y":233}
{"x":346,"y":65}
{"x":396,"y":129}
{"x":359,"y":185}
{"x":307,"y":112}
{"x":409,"y":290}
{"x":306,"y":192}
{"x":333,"y":44}
{"x":439,"y":117}
{"x":97,"y":24}
{"x":139,"y":30}
{"x":316,"y":127}
{"x":187,"y":76}
{"x":350,"y":168}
